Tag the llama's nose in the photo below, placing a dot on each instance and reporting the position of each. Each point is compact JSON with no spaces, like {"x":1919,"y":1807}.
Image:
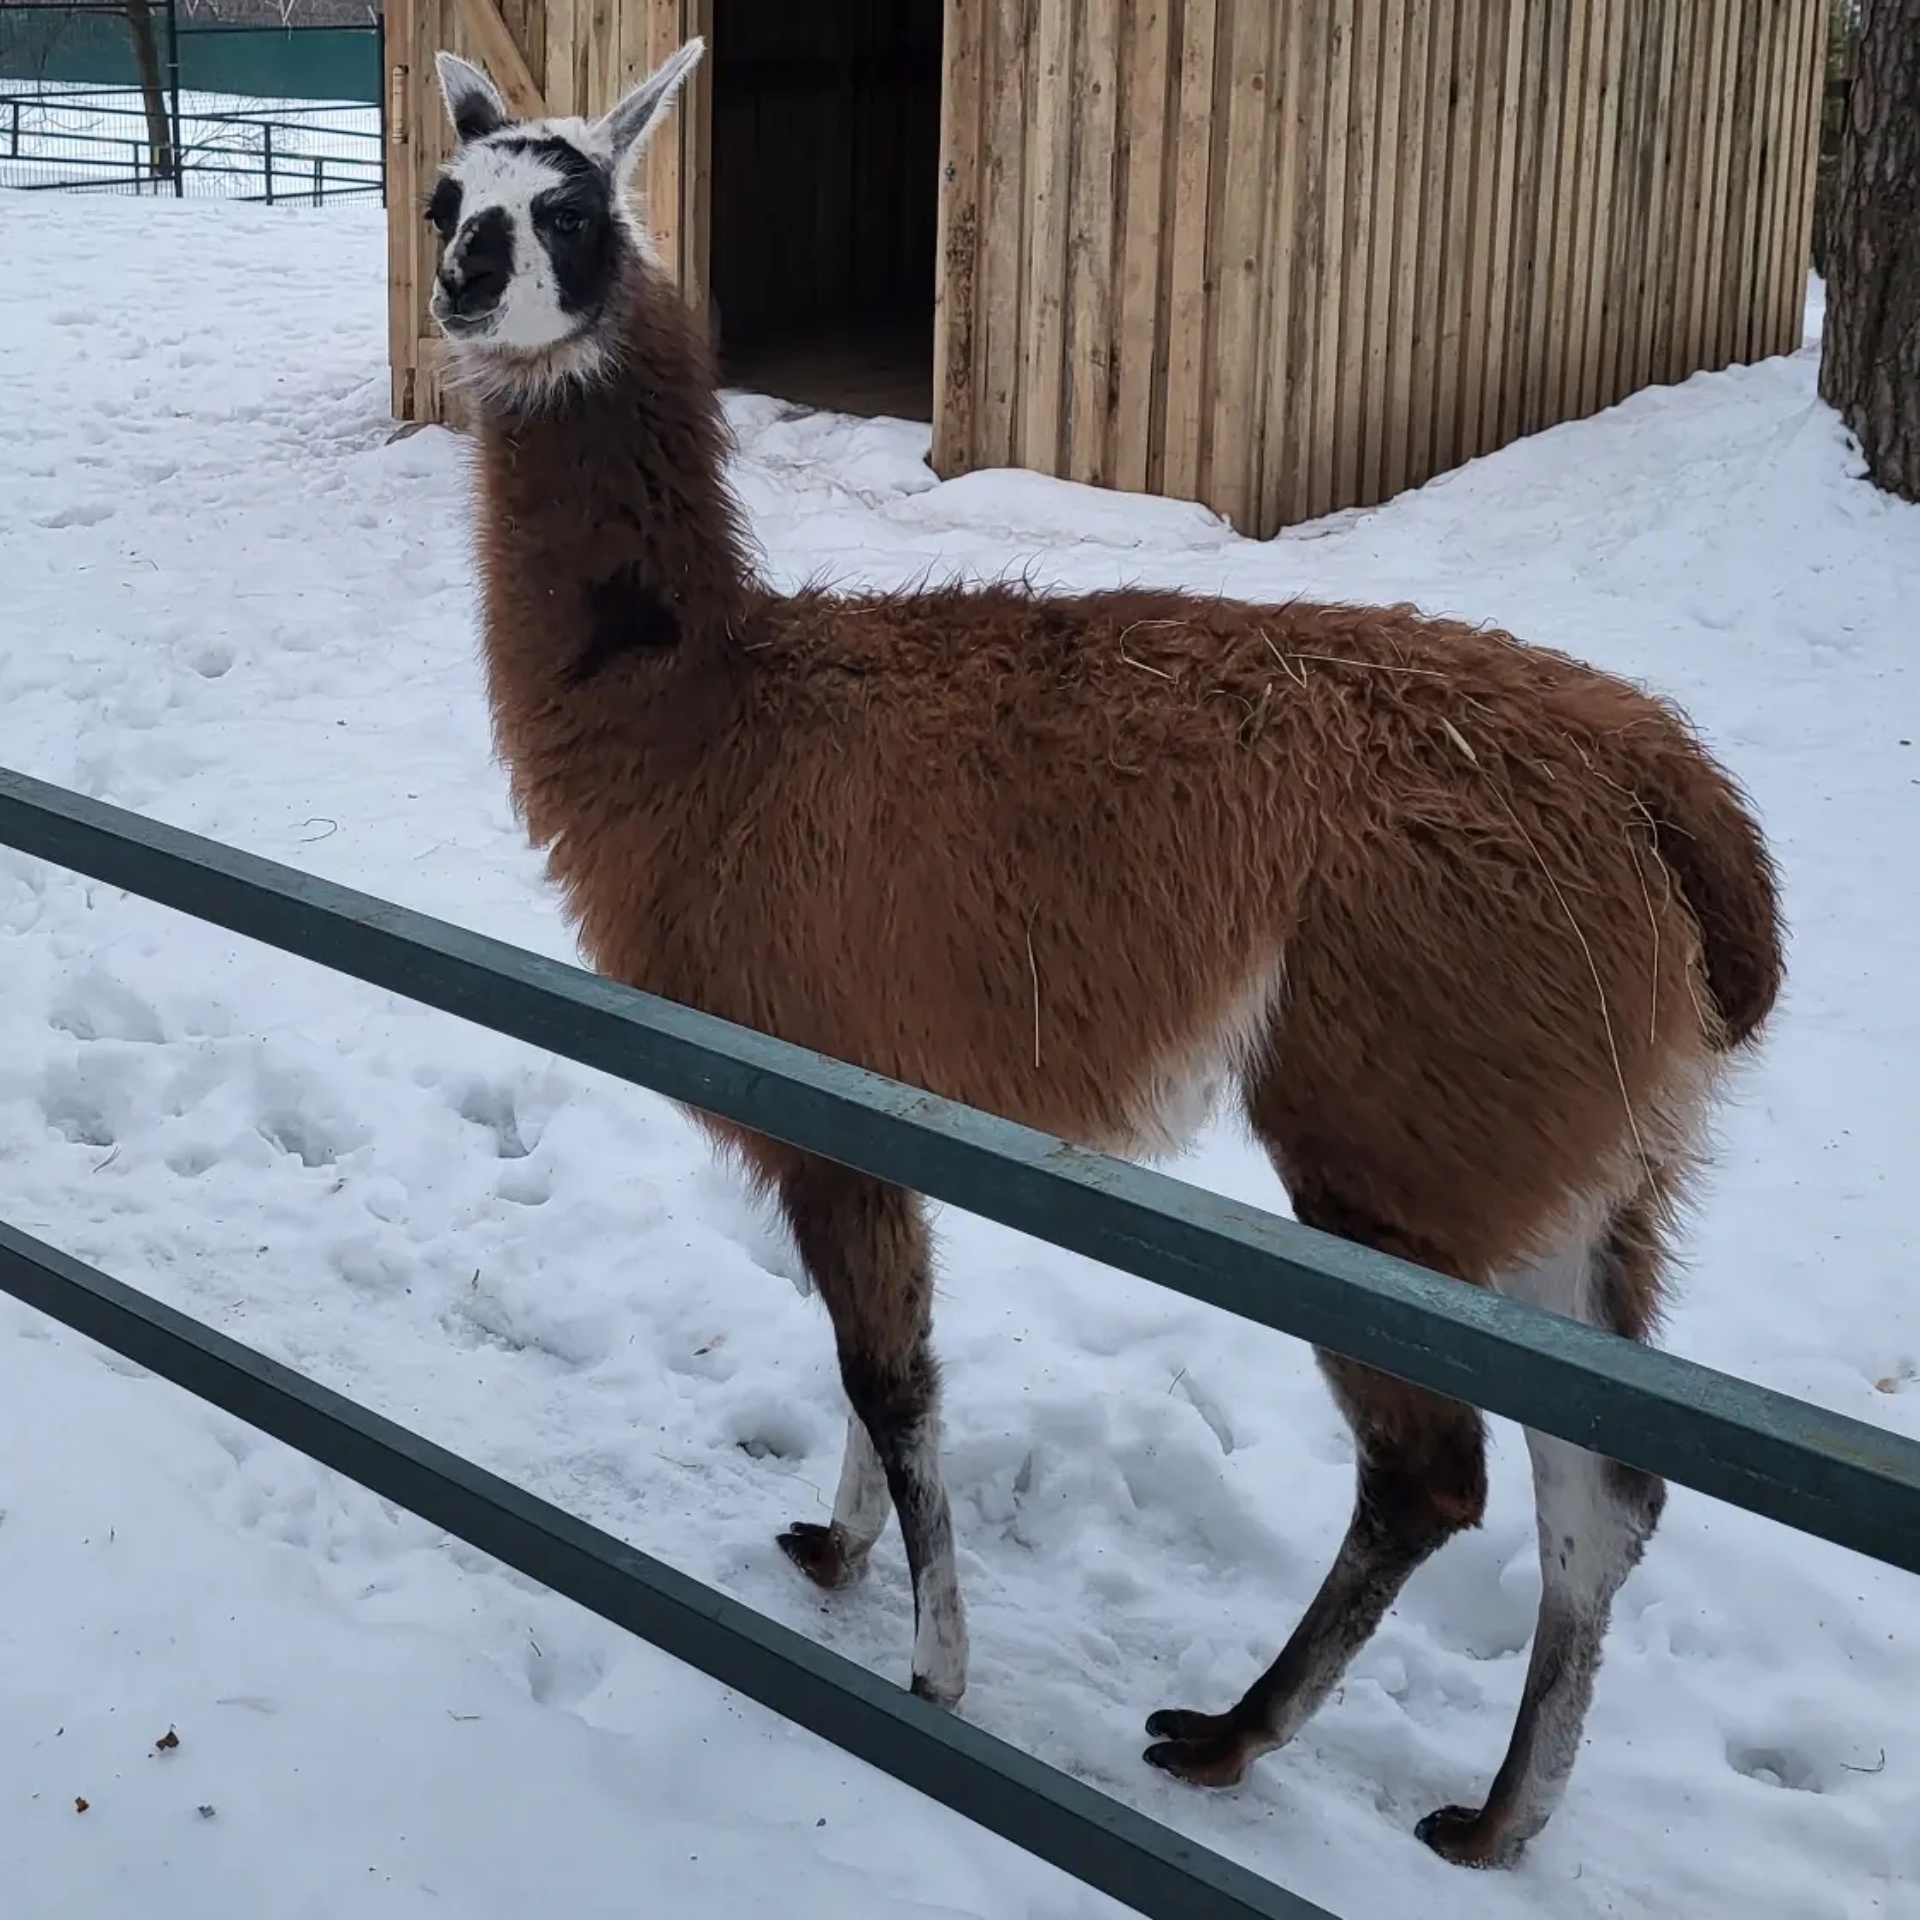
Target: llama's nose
{"x":472,"y":285}
{"x":478,"y":265}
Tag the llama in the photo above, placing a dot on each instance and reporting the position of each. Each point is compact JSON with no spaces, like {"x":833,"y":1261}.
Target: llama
{"x":1475,"y":931}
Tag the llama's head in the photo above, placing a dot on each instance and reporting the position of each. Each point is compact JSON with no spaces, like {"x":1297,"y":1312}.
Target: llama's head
{"x":535,"y":228}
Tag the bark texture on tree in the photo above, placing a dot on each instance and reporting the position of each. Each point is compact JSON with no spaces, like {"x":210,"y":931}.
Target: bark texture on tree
{"x":153,"y":85}
{"x":1870,"y":358}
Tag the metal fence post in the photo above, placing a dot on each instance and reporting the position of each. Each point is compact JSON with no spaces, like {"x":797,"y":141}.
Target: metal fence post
{"x":266,"y":132}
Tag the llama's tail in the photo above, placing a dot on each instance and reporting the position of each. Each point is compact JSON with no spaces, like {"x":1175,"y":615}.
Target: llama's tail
{"x":1710,"y":842}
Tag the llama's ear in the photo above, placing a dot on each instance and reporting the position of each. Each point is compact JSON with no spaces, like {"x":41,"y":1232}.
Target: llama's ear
{"x":627,"y":126}
{"x":474,"y":103}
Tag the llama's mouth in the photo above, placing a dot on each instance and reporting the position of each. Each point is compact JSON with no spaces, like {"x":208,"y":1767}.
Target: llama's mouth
{"x":462,"y":326}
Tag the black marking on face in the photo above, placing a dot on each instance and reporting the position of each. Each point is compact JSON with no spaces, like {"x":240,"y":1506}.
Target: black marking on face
{"x":626,"y":614}
{"x":475,"y":275}
{"x":548,"y":148}
{"x":576,"y":226}
{"x":443,"y":208}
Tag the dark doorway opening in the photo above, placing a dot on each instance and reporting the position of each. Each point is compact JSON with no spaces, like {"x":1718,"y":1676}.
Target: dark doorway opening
{"x":825,"y":191}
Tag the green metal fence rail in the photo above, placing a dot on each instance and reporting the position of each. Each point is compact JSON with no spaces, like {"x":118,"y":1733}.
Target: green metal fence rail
{"x":1825,"y":1474}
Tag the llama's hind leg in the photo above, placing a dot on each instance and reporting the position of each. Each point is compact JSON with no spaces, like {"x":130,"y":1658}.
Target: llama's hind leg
{"x":1596,"y":1517}
{"x":1421,"y":1471}
{"x":865,"y":1247}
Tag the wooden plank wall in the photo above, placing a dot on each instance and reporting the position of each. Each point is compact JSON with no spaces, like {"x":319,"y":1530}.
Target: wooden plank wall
{"x":1290,"y":258}
{"x":574,"y":56}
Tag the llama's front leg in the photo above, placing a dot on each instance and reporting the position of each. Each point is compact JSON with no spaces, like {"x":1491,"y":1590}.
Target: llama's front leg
{"x":1421,"y":1479}
{"x":835,"y":1555}
{"x":865,"y":1246}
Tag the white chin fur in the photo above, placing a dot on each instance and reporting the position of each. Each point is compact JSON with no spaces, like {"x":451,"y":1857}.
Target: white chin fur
{"x":507,"y":376}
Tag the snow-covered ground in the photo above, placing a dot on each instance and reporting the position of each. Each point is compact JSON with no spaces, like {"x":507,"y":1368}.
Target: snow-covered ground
{"x":227,"y":600}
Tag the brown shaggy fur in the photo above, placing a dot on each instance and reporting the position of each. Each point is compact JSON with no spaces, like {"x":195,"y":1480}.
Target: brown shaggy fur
{"x":1470,"y":926}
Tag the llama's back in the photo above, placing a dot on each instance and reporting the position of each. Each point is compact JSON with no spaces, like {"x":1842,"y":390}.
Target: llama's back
{"x":1073,"y":860}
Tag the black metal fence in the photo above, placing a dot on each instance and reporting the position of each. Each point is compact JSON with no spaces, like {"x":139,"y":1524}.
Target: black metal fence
{"x":1821,"y":1472}
{"x":130,"y":96}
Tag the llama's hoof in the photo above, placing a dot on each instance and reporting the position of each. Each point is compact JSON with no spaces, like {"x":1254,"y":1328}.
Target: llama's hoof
{"x":1464,"y":1836}
{"x":936,"y":1693}
{"x":821,"y":1554}
{"x":1203,"y":1749}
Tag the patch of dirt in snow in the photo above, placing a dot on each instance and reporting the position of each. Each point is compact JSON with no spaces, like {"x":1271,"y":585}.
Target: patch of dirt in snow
{"x":228,"y":600}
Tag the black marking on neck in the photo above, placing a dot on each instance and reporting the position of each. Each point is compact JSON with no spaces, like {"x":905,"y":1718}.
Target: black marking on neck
{"x":626,"y":614}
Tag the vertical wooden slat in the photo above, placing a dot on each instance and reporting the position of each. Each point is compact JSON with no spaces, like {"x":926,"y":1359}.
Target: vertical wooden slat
{"x":956,"y":256}
{"x":557,"y":78}
{"x":1657,"y":247}
{"x":1090,"y":238}
{"x":998,"y":350}
{"x":1407,"y":322}
{"x":692,"y":129}
{"x":1037,"y":436}
{"x":1702,"y":298}
{"x":1624,"y":230}
{"x":1601,"y":311}
{"x":1637,"y":192}
{"x":434,"y":27}
{"x":1683,"y":205}
{"x":1333,"y":256}
{"x":1737,"y":206}
{"x":1645,"y":167}
{"x":1378,"y":214}
{"x":1302,"y":258}
{"x":661,"y":165}
{"x":1279,"y":245}
{"x":1535,"y":408}
{"x":600,"y":31}
{"x":1496,"y":233}
{"x":1241,"y":270}
{"x":1430,"y":215}
{"x":1807,"y":105}
{"x":1363,"y":154}
{"x":1767,"y":333}
{"x":405,"y":227}
{"x":1503,"y":376}
{"x":1187,"y":264}
{"x":1766,"y":158}
{"x":1703,"y":295}
{"x":1455,"y":252}
{"x":1504,"y":315}
{"x":1772,"y":334}
{"x":1137,"y":352}
{"x":1573,"y":234}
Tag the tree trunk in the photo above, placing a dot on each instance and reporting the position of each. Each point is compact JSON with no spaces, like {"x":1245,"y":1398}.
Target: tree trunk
{"x":1870,"y":360}
{"x":153,"y":86}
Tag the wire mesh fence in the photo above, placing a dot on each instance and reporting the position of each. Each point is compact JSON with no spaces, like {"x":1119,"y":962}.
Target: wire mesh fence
{"x":132,"y":97}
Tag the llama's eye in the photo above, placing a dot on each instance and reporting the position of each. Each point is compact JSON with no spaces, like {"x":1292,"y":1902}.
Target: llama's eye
{"x":567,"y":220}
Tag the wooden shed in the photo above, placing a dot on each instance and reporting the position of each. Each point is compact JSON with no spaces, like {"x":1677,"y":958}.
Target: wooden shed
{"x":1279,"y":256}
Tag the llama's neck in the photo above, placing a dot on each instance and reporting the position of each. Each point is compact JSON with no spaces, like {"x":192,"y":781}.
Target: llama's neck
{"x":612,"y":553}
